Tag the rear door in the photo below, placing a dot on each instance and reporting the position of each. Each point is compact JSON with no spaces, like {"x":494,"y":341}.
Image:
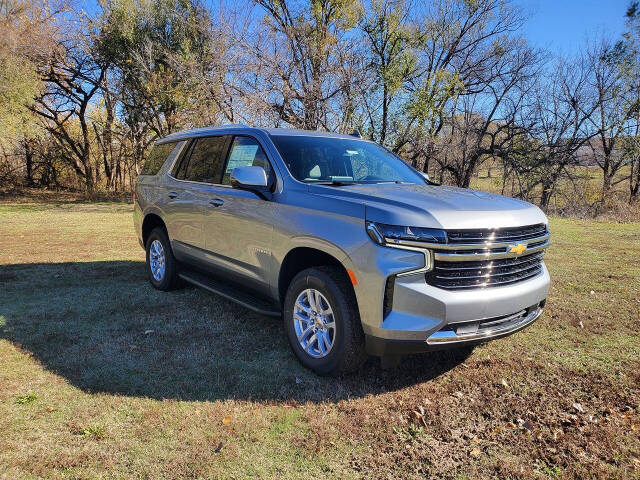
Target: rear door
{"x":189,"y":195}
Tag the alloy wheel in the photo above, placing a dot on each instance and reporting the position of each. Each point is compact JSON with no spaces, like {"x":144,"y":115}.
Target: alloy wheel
{"x":314,"y":323}
{"x":157,"y":261}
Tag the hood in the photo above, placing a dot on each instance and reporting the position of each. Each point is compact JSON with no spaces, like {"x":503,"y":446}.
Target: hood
{"x":435,"y":206}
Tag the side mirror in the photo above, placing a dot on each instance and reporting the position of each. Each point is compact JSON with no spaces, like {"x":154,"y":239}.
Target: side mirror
{"x":253,"y":179}
{"x":249,"y":178}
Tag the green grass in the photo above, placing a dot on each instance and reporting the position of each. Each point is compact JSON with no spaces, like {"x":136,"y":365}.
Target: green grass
{"x":25,"y":399}
{"x":103,"y":377}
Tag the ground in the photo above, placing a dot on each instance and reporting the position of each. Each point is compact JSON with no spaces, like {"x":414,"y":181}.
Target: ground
{"x":103,"y":377}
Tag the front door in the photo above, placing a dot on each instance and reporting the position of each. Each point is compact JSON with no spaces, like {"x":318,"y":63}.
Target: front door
{"x":239,"y":223}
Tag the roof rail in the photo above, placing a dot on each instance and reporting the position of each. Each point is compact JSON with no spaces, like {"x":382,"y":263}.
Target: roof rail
{"x":233,"y":125}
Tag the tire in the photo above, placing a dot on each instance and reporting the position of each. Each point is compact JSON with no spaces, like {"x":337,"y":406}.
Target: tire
{"x":347,"y":351}
{"x":167,"y":279}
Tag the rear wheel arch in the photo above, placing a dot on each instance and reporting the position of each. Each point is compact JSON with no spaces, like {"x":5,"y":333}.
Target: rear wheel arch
{"x":151,"y":221}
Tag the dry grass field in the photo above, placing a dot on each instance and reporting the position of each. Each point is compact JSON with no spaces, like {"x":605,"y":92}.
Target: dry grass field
{"x":103,"y":377}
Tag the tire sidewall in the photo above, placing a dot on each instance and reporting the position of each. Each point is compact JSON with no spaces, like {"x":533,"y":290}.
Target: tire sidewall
{"x":324,"y":284}
{"x":165,"y":283}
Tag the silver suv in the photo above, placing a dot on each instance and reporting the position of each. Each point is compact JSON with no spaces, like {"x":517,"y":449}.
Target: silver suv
{"x":357,"y":251}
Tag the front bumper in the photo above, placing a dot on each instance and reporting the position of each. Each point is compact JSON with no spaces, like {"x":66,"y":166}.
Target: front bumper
{"x":457,"y":335}
{"x":421,"y":317}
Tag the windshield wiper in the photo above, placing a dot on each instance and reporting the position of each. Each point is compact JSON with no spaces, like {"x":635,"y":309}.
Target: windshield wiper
{"x":335,"y":183}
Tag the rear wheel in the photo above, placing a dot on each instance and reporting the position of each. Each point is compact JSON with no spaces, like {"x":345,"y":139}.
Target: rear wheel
{"x":322,"y":321}
{"x":161,"y":264}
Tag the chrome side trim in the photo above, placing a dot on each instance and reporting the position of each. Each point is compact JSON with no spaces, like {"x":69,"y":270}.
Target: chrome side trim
{"x":448,"y":336}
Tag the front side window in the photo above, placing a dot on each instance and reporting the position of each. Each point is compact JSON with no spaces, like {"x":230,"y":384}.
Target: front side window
{"x":245,"y":152}
{"x":205,"y":161}
{"x":313,"y":159}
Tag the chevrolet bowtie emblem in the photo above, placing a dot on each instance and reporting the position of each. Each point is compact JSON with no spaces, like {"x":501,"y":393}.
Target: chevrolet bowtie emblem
{"x":519,"y":248}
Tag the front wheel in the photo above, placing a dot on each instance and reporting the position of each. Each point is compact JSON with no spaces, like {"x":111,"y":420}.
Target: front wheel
{"x":161,"y":264}
{"x":322,"y":321}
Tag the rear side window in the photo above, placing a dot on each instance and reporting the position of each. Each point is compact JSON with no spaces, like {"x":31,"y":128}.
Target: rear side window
{"x":245,"y":152}
{"x":205,"y":161}
{"x":157,"y":156}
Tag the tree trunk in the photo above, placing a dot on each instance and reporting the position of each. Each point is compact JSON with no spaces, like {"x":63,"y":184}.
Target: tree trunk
{"x":547,"y":192}
{"x":634,"y":181}
{"x":467,"y":172}
{"x":385,"y":114}
{"x":607,"y":176}
{"x":28,"y":156}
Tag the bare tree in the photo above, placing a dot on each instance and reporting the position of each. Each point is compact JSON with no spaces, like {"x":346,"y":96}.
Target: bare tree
{"x":296,"y":53}
{"x":559,"y":110}
{"x":612,"y":114}
{"x":458,"y":44}
{"x":392,"y":39}
{"x":485,"y":120}
{"x":73,"y":78}
{"x":630,"y":149}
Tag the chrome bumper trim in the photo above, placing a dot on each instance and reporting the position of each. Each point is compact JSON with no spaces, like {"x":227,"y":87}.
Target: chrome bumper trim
{"x":449,"y":336}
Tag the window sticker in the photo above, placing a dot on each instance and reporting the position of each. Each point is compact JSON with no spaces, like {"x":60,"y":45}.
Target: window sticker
{"x":241,"y":156}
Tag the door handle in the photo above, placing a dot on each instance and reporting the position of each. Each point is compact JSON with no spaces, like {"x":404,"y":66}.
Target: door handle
{"x":173,"y":195}
{"x":216,"y":202}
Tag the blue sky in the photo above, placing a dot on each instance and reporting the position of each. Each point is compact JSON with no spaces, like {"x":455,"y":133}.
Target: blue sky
{"x":561,"y":26}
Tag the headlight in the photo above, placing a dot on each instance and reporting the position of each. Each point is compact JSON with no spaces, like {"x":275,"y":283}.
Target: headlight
{"x":383,"y":234}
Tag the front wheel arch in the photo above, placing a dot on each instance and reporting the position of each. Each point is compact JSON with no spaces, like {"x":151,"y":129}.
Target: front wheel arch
{"x":302,"y":258}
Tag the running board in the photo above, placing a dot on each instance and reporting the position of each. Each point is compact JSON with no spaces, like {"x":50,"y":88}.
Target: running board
{"x":231,"y":292}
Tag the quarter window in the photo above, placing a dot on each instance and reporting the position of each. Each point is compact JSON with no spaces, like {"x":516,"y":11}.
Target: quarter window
{"x":157,"y":156}
{"x":245,"y":152}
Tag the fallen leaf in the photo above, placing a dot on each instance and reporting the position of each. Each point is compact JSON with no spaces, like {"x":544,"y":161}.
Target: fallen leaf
{"x":475,"y":452}
{"x":578,"y":407}
{"x":226,"y":419}
{"x":525,"y":424}
{"x":504,"y":383}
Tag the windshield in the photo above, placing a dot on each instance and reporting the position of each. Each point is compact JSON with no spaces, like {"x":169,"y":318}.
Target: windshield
{"x":340,"y":160}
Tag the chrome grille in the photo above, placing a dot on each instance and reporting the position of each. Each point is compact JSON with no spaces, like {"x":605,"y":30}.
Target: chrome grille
{"x":485,"y":258}
{"x":514,"y":234}
{"x":485,"y":273}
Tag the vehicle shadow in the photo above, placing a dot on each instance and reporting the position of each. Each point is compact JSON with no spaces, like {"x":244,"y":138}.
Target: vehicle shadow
{"x":103,"y":328}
